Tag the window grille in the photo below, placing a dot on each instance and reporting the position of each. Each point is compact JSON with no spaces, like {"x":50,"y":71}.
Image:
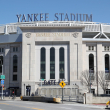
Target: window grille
{"x":106,"y":48}
{"x":15,"y":49}
{"x":14,"y":77}
{"x":1,"y":50}
{"x":91,"y":48}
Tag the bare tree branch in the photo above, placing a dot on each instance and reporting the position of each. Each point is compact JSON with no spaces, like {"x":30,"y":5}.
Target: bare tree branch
{"x":86,"y":77}
{"x":102,"y":81}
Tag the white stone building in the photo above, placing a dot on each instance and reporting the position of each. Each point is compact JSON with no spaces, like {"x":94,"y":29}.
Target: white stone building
{"x":51,"y":51}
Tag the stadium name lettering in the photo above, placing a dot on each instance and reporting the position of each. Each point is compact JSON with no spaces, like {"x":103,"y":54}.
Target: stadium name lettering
{"x":58,"y":17}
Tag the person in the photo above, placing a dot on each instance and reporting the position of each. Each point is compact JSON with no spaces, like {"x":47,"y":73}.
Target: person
{"x":32,"y":94}
{"x":13,"y":95}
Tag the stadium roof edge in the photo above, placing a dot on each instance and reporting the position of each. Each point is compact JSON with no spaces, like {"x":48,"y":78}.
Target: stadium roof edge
{"x":73,"y":22}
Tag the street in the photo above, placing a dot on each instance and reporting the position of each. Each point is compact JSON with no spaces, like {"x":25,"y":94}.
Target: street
{"x":28,"y":105}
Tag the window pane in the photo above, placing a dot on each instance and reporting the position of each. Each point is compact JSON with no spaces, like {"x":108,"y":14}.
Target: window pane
{"x":61,"y":61}
{"x":42,"y":69}
{"x":14,"y":77}
{"x":92,"y":47}
{"x":14,"y":68}
{"x":2,"y":49}
{"x":106,"y":63}
{"x":91,"y":62}
{"x":15,"y":61}
{"x":105,"y":48}
{"x":89,"y":47}
{"x":16,"y":49}
{"x":106,"y":92}
{"x":91,"y":66}
{"x":0,"y":69}
{"x":1,"y":60}
{"x":13,"y":49}
{"x":1,"y":63}
{"x":52,"y":63}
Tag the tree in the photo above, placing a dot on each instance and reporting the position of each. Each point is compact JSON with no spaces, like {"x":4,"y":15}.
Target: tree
{"x":87,"y":79}
{"x":102,"y":80}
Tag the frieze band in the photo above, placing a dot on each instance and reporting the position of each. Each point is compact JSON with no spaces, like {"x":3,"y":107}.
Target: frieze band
{"x":56,"y":34}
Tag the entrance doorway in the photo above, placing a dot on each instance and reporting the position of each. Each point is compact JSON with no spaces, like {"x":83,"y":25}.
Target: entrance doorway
{"x":28,"y":90}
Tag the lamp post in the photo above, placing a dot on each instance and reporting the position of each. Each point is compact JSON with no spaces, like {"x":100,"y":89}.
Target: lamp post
{"x":24,"y":89}
{"x":77,"y":59}
{"x":90,"y":80}
{"x":97,"y":83}
{"x":2,"y":79}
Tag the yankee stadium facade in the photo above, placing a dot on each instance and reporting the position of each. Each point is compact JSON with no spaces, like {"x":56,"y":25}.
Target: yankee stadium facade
{"x":52,"y":51}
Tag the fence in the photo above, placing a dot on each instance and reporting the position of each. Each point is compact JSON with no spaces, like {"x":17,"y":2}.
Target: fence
{"x":69,"y":94}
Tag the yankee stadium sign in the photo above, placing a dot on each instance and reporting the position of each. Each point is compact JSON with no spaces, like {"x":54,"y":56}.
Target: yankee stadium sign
{"x":57,"y":17}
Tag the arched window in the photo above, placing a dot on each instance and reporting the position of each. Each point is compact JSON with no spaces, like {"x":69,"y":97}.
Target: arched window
{"x":1,"y":63}
{"x":106,"y":63}
{"x":61,"y":62}
{"x":15,"y":63}
{"x":52,"y":63}
{"x":43,"y":63}
{"x":91,"y":63}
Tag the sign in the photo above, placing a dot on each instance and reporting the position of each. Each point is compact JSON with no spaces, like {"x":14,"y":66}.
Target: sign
{"x":53,"y":82}
{"x":5,"y":93}
{"x":2,"y":77}
{"x":62,"y":84}
{"x":57,"y":17}
{"x":2,"y":82}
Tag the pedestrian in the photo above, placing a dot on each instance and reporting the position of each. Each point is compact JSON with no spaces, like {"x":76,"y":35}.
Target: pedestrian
{"x":13,"y":95}
{"x":32,"y":94}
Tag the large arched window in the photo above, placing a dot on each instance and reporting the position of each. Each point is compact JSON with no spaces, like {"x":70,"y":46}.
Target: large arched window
{"x":15,"y":63}
{"x":52,"y":63}
{"x":106,"y":63}
{"x":61,"y":62}
{"x":1,"y":63}
{"x":91,"y":63}
{"x":43,"y":63}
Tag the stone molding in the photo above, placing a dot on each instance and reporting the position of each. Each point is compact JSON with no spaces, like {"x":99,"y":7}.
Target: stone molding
{"x":74,"y":34}
{"x":28,"y":35}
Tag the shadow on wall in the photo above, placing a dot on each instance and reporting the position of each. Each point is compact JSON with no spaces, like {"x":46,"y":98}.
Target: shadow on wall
{"x":10,"y":38}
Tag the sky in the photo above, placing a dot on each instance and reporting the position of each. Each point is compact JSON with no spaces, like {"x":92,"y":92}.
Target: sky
{"x":100,"y":9}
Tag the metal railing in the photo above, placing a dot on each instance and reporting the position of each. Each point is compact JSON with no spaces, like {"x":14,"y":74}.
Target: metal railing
{"x":89,"y":26}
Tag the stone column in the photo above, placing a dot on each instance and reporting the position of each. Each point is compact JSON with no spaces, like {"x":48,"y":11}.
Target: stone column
{"x":57,"y":64}
{"x":99,"y":64}
{"x":99,"y":57}
{"x":47,"y":63}
{"x":6,"y":65}
{"x":37,"y":74}
{"x":66,"y":64}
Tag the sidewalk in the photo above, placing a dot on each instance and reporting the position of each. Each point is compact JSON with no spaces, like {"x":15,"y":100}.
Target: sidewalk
{"x":10,"y":98}
{"x":101,"y":106}
{"x":89,"y":105}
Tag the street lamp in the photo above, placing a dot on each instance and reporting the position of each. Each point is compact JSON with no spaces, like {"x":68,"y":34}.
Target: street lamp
{"x":24,"y":89}
{"x":2,"y":74}
{"x":77,"y":59}
{"x":90,"y":79}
